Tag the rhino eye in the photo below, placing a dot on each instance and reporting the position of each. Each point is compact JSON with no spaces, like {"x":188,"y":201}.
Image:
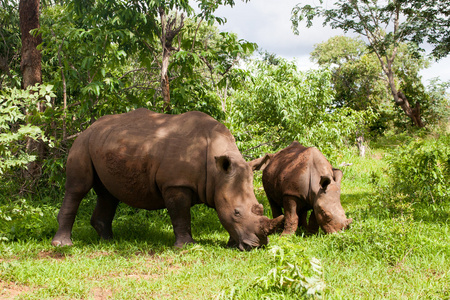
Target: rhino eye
{"x":237,"y":213}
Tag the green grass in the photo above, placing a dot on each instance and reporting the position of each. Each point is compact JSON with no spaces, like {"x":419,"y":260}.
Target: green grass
{"x":392,"y":251}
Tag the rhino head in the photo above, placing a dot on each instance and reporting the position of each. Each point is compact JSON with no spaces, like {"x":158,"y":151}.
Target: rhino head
{"x":237,"y":207}
{"x":327,"y":206}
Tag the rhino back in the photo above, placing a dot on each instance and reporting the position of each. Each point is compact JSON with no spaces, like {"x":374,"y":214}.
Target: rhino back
{"x":295,"y":171}
{"x":139,"y":154}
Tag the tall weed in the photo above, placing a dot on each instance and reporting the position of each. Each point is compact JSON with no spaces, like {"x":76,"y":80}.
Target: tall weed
{"x":291,"y":275}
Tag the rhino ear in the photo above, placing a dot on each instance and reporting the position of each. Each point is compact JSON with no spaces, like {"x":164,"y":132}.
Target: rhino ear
{"x":337,"y":174}
{"x":260,"y":163}
{"x":325,"y":181}
{"x":223,"y":163}
{"x":270,"y":226}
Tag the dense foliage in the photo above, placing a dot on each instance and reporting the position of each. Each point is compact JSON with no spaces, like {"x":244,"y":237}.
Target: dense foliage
{"x":279,"y":104}
{"x":16,"y":126}
{"x":420,"y":170}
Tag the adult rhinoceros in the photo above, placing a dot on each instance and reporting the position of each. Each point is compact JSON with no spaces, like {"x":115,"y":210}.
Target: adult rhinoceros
{"x":154,"y":161}
{"x":299,"y":179}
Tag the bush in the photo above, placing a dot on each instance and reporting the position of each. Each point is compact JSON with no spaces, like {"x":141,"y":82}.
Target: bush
{"x":421,"y":170}
{"x":16,"y":126}
{"x":21,"y":221}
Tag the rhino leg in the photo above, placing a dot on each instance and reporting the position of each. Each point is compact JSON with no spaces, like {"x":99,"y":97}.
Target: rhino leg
{"x":178,"y":201}
{"x":232,"y":243}
{"x":104,"y":212}
{"x":79,"y":181}
{"x":66,"y":218}
{"x":275,"y":207}
{"x":303,"y":218}
{"x":290,"y":214}
{"x":313,"y":226}
{"x":310,"y":225}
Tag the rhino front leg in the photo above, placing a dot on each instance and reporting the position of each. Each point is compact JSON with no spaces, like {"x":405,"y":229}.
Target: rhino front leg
{"x":178,"y":201}
{"x":104,"y":212}
{"x":290,"y":214}
{"x":311,"y":226}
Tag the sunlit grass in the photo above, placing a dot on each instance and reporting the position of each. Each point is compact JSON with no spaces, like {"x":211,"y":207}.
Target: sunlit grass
{"x":388,"y":253}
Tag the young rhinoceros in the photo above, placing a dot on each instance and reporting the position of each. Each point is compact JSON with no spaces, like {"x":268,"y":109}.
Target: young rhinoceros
{"x":154,"y":161}
{"x":299,"y":179}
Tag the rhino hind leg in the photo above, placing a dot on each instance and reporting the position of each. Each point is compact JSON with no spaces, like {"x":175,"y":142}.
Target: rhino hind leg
{"x":66,"y":218}
{"x":178,"y":201}
{"x":104,"y":212}
{"x":275,"y":207}
{"x":79,"y":181}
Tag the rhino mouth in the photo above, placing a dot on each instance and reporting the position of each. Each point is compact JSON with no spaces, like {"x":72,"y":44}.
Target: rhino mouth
{"x":249,"y":244}
{"x":333,"y":228}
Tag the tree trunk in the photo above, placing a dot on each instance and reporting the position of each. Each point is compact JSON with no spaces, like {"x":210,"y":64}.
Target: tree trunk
{"x":30,"y":66}
{"x":361,"y":146}
{"x":168,"y":32}
{"x":401,"y":100}
{"x":165,"y":87}
{"x":413,"y":113}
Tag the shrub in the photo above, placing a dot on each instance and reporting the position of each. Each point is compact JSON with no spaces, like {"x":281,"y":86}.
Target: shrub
{"x":16,"y":126}
{"x":421,"y":170}
{"x":20,"y":221}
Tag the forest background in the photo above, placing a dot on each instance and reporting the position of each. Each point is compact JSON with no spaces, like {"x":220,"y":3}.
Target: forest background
{"x":64,"y":64}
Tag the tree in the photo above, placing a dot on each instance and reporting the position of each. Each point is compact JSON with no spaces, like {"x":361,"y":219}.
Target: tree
{"x":371,"y":19}
{"x":429,"y":21}
{"x":30,"y":65}
{"x":169,"y":30}
{"x":357,"y":77}
{"x":204,"y":70}
{"x":359,"y":82}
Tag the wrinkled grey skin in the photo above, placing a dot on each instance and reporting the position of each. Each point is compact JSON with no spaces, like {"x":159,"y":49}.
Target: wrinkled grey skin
{"x":154,"y":161}
{"x":299,"y":179}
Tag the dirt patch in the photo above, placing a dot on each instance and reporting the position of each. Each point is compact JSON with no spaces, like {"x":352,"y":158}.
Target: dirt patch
{"x":434,"y":274}
{"x":377,"y":156}
{"x":10,"y":290}
{"x":100,"y":294}
{"x":51,"y":254}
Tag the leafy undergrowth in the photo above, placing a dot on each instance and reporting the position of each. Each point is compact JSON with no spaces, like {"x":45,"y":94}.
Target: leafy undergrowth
{"x":395,"y":249}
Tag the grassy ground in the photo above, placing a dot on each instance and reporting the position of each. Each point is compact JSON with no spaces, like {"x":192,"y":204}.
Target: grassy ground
{"x":393,"y":250}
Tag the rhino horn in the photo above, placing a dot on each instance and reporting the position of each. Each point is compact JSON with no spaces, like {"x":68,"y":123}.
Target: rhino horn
{"x":270,"y":226}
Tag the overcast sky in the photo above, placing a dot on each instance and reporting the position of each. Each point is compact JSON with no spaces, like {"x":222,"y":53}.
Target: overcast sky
{"x":267,"y":23}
